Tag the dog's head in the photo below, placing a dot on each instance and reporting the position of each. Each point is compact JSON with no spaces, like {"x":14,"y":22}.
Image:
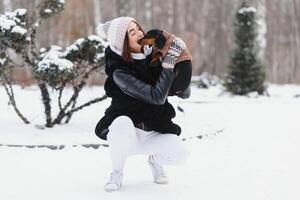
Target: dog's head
{"x":153,"y":37}
{"x":156,"y":39}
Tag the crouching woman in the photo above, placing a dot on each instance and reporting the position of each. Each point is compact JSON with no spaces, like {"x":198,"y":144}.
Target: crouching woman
{"x":139,"y":119}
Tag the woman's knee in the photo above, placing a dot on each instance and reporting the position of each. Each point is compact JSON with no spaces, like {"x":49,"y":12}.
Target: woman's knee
{"x":121,"y":121}
{"x":120,"y":127}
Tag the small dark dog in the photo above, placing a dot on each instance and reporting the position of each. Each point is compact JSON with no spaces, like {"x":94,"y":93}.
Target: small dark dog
{"x":156,"y":39}
{"x":183,"y":69}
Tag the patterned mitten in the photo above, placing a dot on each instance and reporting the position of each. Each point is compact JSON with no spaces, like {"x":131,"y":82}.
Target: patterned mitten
{"x":176,"y":47}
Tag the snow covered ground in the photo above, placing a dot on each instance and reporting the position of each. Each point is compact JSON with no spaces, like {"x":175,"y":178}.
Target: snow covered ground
{"x":249,"y":149}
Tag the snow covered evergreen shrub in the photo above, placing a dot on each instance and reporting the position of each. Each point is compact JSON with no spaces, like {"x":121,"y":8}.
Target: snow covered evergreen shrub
{"x":57,"y":67}
{"x":90,"y":49}
{"x":12,"y":30}
{"x":52,"y":67}
{"x":246,"y":74}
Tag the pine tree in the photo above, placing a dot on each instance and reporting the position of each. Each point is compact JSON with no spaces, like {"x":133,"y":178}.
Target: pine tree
{"x":245,"y":72}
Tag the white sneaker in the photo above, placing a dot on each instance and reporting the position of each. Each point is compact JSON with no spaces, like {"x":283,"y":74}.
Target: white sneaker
{"x":158,"y":172}
{"x":115,"y":182}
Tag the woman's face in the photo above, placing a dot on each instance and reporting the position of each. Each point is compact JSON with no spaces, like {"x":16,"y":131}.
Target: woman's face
{"x":134,"y":35}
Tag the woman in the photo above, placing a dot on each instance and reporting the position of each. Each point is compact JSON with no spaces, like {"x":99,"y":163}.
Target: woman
{"x":139,"y":119}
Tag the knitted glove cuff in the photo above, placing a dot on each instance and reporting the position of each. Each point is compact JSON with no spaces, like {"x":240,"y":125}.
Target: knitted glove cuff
{"x":169,"y":61}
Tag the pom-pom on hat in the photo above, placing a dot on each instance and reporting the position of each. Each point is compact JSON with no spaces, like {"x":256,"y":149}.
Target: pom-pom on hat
{"x":114,"y":31}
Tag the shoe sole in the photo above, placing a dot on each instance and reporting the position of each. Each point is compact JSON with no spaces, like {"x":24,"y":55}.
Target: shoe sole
{"x":113,"y":190}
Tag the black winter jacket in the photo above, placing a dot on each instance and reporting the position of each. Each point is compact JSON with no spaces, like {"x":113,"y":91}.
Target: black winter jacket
{"x":139,"y":92}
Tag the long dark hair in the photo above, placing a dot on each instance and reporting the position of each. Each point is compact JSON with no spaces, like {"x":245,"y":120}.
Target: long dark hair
{"x":126,"y":53}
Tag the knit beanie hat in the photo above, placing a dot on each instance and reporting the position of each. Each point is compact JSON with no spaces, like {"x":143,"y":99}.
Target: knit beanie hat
{"x":114,"y":32}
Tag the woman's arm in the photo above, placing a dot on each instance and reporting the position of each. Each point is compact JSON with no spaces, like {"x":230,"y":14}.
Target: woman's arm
{"x":186,"y":93}
{"x":136,"y":88}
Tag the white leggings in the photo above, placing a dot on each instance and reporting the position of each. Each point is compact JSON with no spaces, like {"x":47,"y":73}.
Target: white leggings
{"x":124,"y":140}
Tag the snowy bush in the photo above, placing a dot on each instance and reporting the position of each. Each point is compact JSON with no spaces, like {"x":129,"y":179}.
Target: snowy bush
{"x":52,"y":67}
{"x":205,"y":80}
{"x":57,"y":67}
{"x":51,"y":7}
{"x":90,"y":49}
{"x":12,"y":30}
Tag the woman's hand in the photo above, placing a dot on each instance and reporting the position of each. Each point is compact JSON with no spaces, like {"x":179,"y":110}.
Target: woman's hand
{"x":176,"y":47}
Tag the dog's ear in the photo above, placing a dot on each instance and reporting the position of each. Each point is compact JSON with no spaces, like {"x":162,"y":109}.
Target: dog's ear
{"x":160,"y":41}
